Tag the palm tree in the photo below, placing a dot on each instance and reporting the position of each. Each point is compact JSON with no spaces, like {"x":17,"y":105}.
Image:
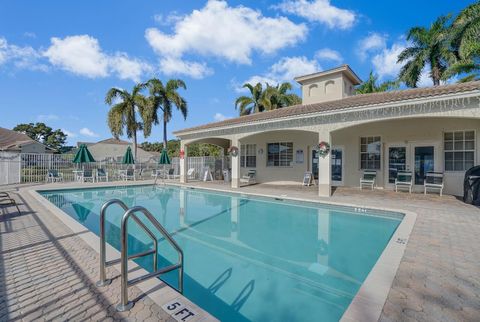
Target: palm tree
{"x":270,"y":98}
{"x":254,"y":103}
{"x":279,"y":97}
{"x":371,"y":86}
{"x":163,"y":98}
{"x":123,"y":113}
{"x":465,"y":43}
{"x":429,"y":46}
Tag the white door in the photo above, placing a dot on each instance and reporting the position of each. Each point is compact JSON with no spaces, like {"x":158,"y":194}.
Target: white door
{"x":424,"y":157}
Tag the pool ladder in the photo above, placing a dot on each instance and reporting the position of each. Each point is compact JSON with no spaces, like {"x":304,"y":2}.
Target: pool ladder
{"x":125,"y":305}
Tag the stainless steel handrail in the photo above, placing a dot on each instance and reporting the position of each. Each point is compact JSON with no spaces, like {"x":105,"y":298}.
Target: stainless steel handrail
{"x":124,"y":304}
{"x":103,"y":261}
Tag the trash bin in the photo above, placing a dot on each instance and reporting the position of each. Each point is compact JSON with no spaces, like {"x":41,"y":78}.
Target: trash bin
{"x":471,"y":186}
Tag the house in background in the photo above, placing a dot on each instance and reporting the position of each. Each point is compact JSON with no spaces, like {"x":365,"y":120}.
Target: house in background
{"x":13,"y":141}
{"x":418,"y":130}
{"x":114,"y":150}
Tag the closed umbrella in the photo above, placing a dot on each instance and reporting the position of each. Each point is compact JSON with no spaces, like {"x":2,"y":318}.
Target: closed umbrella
{"x":83,"y":155}
{"x":164,"y":159}
{"x":128,"y":157}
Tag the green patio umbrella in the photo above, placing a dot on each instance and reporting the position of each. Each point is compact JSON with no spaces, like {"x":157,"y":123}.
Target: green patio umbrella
{"x":128,"y":157}
{"x":164,"y":159}
{"x":83,"y":155}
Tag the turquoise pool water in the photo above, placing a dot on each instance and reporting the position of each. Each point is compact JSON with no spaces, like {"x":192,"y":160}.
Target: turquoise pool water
{"x":249,"y":258}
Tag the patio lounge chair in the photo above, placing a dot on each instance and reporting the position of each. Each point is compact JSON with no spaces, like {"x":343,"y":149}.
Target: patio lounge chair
{"x":404,"y":180}
{"x":249,"y":178}
{"x":7,"y":201}
{"x":88,"y":175}
{"x":433,"y":180}
{"x":102,"y":175}
{"x":54,"y":176}
{"x":368,"y":179}
{"x":172,"y":175}
{"x":128,"y":175}
{"x":191,"y":174}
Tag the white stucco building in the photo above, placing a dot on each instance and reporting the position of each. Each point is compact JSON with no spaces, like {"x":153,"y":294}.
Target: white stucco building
{"x":424,"y":129}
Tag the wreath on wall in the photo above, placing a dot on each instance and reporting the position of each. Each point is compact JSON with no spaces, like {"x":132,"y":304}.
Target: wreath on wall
{"x":233,"y":151}
{"x":323,"y":149}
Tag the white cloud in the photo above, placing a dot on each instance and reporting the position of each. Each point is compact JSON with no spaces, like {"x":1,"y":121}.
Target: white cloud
{"x":47,"y":117}
{"x":373,"y":42}
{"x":82,"y":55}
{"x":172,"y":66}
{"x":385,"y":62}
{"x":29,"y":34}
{"x":320,"y":11}
{"x":69,"y":134}
{"x":329,"y":54}
{"x":221,"y":31}
{"x":285,"y":70}
{"x":21,"y":57}
{"x":220,"y":117}
{"x":87,"y":132}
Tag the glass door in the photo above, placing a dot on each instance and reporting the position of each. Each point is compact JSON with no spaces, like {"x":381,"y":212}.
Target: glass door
{"x":397,"y":161}
{"x":424,"y":161}
{"x":337,"y":166}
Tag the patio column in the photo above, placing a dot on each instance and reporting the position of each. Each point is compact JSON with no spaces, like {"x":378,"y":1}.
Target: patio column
{"x":183,"y":162}
{"x":235,"y":163}
{"x":324,"y":168}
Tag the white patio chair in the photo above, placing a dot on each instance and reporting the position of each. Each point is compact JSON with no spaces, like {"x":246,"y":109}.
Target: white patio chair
{"x":249,"y":178}
{"x":191,"y":174}
{"x":102,"y":175}
{"x":368,"y":179}
{"x":128,"y":175}
{"x":433,"y":180}
{"x":404,"y":179}
{"x":88,"y":176}
{"x":54,"y":176}
{"x":171,"y":174}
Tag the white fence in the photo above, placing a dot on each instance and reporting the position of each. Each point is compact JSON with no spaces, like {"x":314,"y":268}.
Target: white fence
{"x":33,"y":167}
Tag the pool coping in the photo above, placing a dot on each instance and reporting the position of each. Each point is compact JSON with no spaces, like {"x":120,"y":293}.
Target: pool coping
{"x":367,"y":304}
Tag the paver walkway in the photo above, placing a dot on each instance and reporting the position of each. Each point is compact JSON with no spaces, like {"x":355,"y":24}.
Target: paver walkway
{"x":47,"y":273}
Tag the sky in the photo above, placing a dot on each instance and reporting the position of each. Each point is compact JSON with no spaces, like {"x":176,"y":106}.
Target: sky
{"x":59,"y":58}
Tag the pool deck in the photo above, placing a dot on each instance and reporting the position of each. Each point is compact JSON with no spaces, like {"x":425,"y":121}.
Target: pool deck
{"x":47,"y":271}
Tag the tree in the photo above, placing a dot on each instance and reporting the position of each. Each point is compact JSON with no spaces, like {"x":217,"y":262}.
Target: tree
{"x":270,"y":98}
{"x":371,"y":86}
{"x":44,"y":134}
{"x":123,"y":113}
{"x":194,"y":150}
{"x":429,"y":47}
{"x":163,"y":98}
{"x":465,"y":34}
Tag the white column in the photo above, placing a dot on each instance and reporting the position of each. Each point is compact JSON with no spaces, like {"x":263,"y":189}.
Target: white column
{"x":324,"y":168}
{"x":183,"y":163}
{"x":236,"y":165}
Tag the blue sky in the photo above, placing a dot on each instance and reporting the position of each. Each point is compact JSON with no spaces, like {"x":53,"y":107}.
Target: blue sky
{"x":59,"y":58}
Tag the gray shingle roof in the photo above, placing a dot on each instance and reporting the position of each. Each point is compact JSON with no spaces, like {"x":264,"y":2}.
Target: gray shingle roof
{"x":345,"y":103}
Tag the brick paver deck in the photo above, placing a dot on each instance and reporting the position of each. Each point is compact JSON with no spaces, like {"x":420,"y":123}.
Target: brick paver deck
{"x":48,"y":273}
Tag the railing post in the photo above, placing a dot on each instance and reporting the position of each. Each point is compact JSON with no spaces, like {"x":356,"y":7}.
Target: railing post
{"x":103,"y":257}
{"x":124,"y":304}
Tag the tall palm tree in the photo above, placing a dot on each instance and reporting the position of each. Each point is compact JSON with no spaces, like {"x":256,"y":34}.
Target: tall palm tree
{"x":465,"y":43}
{"x":429,"y":46}
{"x":270,"y":98}
{"x":163,"y":98}
{"x":123,"y":112}
{"x":371,"y":86}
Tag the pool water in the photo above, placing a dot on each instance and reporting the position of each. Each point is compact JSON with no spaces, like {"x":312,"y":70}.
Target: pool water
{"x":248,"y":258}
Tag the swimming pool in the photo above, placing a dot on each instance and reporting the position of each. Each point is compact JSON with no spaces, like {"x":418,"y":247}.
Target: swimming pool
{"x":249,"y":258}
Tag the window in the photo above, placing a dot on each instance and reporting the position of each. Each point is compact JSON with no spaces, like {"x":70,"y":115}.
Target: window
{"x":459,"y":147}
{"x":248,"y":155}
{"x":370,"y":153}
{"x":280,"y":154}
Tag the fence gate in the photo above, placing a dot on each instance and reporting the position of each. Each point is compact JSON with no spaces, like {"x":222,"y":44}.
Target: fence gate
{"x":9,"y":168}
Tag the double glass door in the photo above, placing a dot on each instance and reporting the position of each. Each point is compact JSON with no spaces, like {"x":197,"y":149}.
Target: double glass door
{"x":416,"y":157}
